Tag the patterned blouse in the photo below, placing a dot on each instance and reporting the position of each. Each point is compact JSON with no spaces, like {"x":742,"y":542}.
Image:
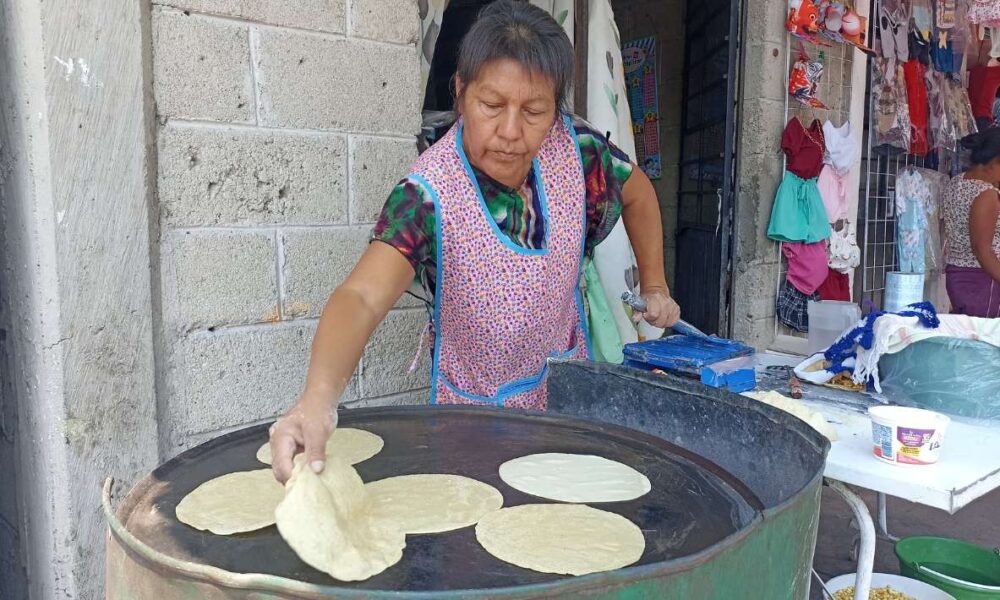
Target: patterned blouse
{"x":407,"y":222}
{"x":958,"y":199}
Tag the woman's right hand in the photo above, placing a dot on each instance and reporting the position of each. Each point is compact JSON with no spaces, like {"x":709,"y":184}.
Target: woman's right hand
{"x":306,"y":427}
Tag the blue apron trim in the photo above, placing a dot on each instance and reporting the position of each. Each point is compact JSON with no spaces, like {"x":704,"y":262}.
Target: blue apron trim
{"x":583,"y":243}
{"x":435,"y":374}
{"x":542,"y":199}
{"x":512,"y":388}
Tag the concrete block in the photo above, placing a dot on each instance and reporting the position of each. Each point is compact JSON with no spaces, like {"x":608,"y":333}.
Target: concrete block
{"x":201,"y":68}
{"x":315,"y":262}
{"x":213,"y":279}
{"x":376,"y":166}
{"x":758,"y":333}
{"x":317,"y":83}
{"x":763,"y":121}
{"x":221,"y":176}
{"x":229,"y":378}
{"x":320,"y":15}
{"x":385,"y":20}
{"x":411,"y":398}
{"x":766,"y":72}
{"x":768,"y":21}
{"x":758,"y":289}
{"x":390,"y":352}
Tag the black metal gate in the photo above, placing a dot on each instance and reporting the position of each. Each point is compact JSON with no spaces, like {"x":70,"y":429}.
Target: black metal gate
{"x":702,"y":284}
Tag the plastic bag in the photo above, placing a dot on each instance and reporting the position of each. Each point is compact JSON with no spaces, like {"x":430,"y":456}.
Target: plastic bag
{"x":804,"y":79}
{"x":953,"y":376}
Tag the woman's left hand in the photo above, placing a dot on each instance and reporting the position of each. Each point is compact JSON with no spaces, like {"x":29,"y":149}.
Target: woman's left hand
{"x":661,"y":310}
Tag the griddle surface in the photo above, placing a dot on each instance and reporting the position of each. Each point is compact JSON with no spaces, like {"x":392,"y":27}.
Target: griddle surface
{"x":693,"y":503}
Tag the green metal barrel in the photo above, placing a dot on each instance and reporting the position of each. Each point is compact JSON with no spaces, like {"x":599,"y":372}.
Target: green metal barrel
{"x":757,"y":469}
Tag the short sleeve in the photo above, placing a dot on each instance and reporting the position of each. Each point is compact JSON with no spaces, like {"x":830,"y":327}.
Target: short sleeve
{"x":791,"y":137}
{"x":606,"y":168}
{"x":407,"y":223}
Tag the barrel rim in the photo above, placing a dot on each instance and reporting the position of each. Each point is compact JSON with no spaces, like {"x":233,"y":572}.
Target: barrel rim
{"x":275,"y":583}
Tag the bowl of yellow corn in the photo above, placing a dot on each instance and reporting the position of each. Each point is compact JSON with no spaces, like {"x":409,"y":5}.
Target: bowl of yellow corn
{"x":887,"y":587}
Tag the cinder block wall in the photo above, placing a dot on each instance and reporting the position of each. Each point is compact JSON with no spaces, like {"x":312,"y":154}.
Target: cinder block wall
{"x":281,"y":127}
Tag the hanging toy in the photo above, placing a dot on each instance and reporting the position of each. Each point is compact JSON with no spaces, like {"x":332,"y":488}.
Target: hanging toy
{"x":803,"y":19}
{"x":833,"y":21}
{"x":853,"y":28}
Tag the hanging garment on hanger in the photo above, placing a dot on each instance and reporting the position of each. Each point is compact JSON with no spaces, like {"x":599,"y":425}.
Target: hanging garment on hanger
{"x":843,"y":249}
{"x":945,"y":13}
{"x":937,"y":119}
{"x":916,"y":100}
{"x":798,"y":214}
{"x":892,"y":113}
{"x":922,"y":14}
{"x":804,"y":148}
{"x":792,"y":307}
{"x":983,"y":85}
{"x":833,"y":190}
{"x":807,"y":265}
{"x":836,"y":286}
{"x":983,"y":11}
{"x":958,"y":107}
{"x":843,"y":148}
{"x":913,"y":196}
{"x":892,"y":32}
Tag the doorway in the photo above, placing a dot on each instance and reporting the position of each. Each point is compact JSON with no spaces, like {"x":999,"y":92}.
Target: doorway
{"x":698,"y":54}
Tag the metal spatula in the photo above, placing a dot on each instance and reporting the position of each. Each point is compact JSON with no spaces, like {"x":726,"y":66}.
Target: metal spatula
{"x":682,"y":327}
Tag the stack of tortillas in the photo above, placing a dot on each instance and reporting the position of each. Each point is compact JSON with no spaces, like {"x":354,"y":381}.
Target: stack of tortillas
{"x":352,"y":531}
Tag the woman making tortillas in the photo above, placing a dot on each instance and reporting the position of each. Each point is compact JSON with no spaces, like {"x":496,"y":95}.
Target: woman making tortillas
{"x":493,"y":221}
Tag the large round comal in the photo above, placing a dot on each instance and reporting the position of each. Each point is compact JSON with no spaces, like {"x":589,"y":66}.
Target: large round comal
{"x":697,"y":516}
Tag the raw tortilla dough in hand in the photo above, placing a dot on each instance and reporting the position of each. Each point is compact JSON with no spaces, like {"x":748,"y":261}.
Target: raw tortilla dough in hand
{"x":574,"y":478}
{"x":350,"y":445}
{"x":326,"y":519}
{"x":431,"y":503}
{"x":566,"y":539}
{"x":233,"y":503}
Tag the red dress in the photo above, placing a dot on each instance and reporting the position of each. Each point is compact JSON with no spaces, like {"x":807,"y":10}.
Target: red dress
{"x":804,"y":148}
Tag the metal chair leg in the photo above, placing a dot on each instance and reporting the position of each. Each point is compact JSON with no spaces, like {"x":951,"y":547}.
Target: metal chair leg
{"x":866,"y":552}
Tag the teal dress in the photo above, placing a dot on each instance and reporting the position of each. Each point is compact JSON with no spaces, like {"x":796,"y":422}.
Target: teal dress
{"x":798,"y":214}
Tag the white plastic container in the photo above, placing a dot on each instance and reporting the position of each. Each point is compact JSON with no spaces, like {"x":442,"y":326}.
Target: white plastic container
{"x":828,"y":320}
{"x":902,"y":290}
{"x":907,"y":436}
{"x":910,"y":587}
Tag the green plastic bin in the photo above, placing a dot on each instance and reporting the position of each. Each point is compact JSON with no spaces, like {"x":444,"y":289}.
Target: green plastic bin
{"x":964,"y":570}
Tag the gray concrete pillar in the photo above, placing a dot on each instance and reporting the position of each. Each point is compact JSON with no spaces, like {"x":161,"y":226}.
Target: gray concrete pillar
{"x":76,"y":308}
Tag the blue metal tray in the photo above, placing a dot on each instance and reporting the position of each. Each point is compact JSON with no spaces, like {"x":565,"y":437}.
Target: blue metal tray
{"x":683,"y":353}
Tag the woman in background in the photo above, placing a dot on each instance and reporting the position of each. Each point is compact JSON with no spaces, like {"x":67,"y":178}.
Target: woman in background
{"x":972,"y":229}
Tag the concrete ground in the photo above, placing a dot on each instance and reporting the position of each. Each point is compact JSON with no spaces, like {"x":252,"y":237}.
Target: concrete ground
{"x":978,"y":522}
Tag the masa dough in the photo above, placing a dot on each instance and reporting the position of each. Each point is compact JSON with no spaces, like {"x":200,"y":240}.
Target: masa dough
{"x":567,"y":539}
{"x":326,"y":519}
{"x":574,"y":478}
{"x":352,"y":445}
{"x":798,"y":409}
{"x":233,"y":503}
{"x":431,"y":503}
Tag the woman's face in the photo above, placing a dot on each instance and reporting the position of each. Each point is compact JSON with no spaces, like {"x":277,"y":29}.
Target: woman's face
{"x":508,"y":111}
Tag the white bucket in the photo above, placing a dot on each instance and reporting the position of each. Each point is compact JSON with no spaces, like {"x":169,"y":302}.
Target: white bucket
{"x":905,"y":585}
{"x":907,"y":436}
{"x":902,"y":290}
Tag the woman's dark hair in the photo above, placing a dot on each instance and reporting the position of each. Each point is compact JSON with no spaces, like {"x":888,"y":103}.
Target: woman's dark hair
{"x":519,"y":31}
{"x":983,"y":146}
